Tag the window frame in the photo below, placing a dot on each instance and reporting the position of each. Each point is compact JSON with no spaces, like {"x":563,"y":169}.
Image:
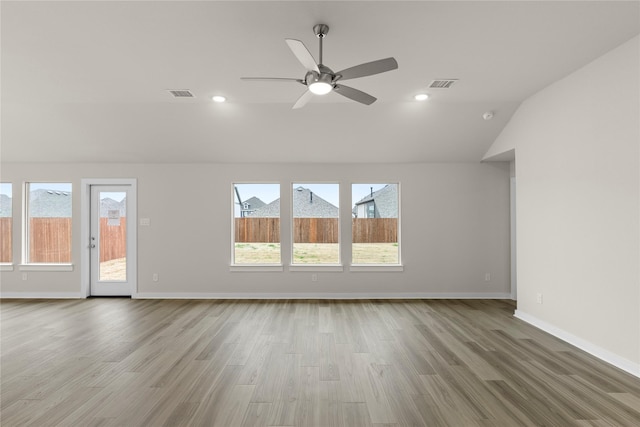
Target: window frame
{"x":26,"y":263}
{"x":255,"y":267}
{"x":373,"y":267}
{"x":8,"y":265}
{"x":333,"y":267}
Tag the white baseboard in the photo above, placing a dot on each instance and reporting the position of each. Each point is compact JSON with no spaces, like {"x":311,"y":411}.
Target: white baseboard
{"x":265,"y":295}
{"x":41,"y":295}
{"x":599,"y":352}
{"x":341,"y":295}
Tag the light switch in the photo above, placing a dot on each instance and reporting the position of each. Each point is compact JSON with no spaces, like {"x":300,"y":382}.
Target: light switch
{"x":145,"y":221}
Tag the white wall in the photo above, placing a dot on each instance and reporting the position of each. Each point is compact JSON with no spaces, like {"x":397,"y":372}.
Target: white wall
{"x":578,"y":195}
{"x":455,"y":228}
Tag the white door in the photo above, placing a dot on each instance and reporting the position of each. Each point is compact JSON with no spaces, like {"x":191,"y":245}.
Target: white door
{"x":110,"y":241}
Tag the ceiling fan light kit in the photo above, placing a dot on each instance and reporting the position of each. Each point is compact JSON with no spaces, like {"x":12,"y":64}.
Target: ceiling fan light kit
{"x":320,"y":79}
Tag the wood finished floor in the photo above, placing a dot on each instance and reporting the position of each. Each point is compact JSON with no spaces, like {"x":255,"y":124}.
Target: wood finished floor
{"x":122,"y":362}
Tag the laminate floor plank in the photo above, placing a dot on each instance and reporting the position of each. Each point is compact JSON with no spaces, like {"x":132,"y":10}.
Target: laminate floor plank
{"x":256,"y":415}
{"x":227,"y":363}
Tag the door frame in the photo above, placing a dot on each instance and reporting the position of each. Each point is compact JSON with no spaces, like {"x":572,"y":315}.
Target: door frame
{"x":85,"y":231}
{"x":513,"y":238}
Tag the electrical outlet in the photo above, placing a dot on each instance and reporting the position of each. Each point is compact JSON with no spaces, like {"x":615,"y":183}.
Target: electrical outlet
{"x":314,"y":277}
{"x":539,"y":298}
{"x":155,"y":277}
{"x":487,"y":277}
{"x":24,"y":276}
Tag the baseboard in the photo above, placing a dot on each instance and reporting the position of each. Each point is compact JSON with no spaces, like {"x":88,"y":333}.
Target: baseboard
{"x":599,"y":352}
{"x":41,"y":295}
{"x":270,"y":295}
{"x":341,"y":295}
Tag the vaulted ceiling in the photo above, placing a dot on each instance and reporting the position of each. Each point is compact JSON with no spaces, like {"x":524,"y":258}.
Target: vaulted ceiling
{"x":88,"y":81}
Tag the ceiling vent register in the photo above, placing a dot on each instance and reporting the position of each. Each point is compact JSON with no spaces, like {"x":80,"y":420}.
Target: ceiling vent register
{"x":442,"y":84}
{"x":181,"y":94}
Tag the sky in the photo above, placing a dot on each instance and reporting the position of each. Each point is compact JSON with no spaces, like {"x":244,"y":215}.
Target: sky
{"x":329,"y":192}
{"x":117,"y":196}
{"x":59,"y":186}
{"x":6,"y":188}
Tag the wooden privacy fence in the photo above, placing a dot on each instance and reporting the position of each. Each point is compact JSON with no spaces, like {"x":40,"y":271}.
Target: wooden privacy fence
{"x":316,"y":230}
{"x":374,"y":230}
{"x":5,"y":234}
{"x":50,"y":240}
{"x":257,"y":230}
{"x":113,"y":240}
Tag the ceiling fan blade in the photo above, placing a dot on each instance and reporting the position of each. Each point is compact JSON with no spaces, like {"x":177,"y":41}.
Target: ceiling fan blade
{"x":355,"y":94}
{"x":302,"y":53}
{"x":272,"y":79}
{"x":368,"y":69}
{"x":302,"y":101}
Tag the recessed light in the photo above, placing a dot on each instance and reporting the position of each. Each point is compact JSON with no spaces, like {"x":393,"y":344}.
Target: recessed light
{"x":219,"y":98}
{"x":421,"y":97}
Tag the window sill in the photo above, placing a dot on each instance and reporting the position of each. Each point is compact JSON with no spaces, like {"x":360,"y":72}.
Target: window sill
{"x":255,"y":267}
{"x":45,"y":267}
{"x":316,"y":267}
{"x":6,"y":267}
{"x":376,"y":267}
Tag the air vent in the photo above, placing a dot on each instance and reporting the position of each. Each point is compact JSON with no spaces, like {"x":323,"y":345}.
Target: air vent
{"x":442,"y":84}
{"x":181,"y":93}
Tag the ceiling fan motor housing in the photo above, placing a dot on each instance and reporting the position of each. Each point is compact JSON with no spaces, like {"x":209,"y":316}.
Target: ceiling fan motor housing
{"x":319,"y":83}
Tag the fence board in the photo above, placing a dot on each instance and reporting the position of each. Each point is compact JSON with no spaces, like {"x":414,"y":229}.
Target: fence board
{"x":113,"y":240}
{"x":257,"y":230}
{"x":374,"y":230}
{"x":316,"y":230}
{"x":6,"y":237}
{"x":50,"y":240}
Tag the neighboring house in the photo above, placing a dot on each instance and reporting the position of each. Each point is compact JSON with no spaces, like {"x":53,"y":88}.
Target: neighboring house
{"x":5,"y":206}
{"x":306,"y":204}
{"x":382,"y":203}
{"x":50,"y":204}
{"x":108,"y":204}
{"x":250,"y":205}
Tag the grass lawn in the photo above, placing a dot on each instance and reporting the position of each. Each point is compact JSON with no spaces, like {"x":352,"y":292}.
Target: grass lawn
{"x":316,"y":253}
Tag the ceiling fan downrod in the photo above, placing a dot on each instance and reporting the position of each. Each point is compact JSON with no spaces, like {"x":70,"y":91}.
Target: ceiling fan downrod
{"x":320,"y":30}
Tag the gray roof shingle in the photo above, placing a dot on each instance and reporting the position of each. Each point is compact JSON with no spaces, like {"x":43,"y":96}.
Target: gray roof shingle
{"x":385,"y":199}
{"x":306,"y":204}
{"x":50,"y":204}
{"x":5,"y":206}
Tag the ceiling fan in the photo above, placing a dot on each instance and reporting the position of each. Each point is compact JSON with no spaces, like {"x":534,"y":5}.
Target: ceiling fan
{"x":321,"y":80}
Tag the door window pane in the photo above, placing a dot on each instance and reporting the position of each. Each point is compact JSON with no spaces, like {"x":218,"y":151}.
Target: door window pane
{"x":6,"y":222}
{"x":48,"y":221}
{"x":375,"y":224}
{"x":113,"y":236}
{"x":256,"y":224}
{"x":316,"y":223}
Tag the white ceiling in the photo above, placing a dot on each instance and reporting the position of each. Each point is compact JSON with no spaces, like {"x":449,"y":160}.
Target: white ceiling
{"x":87,"y":81}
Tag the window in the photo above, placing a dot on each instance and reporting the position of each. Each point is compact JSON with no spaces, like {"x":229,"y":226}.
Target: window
{"x":375,"y":224}
{"x":48,"y":223}
{"x":315,"y":223}
{"x":6,"y":223}
{"x":256,"y":226}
